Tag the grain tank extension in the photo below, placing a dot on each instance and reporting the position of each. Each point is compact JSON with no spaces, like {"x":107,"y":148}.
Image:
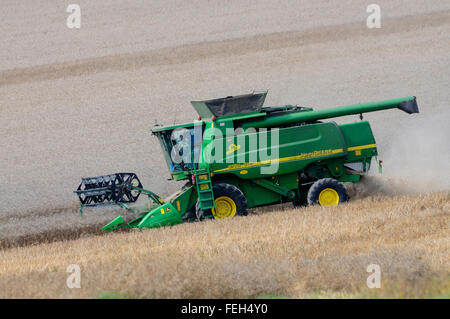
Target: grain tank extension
{"x":241,"y":154}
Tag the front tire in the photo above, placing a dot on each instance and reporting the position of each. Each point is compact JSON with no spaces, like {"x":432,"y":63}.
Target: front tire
{"x":229,"y":201}
{"x":327,"y":192}
{"x":190,"y":215}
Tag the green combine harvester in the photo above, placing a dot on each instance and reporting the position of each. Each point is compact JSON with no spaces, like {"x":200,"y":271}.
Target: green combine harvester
{"x":240,"y":154}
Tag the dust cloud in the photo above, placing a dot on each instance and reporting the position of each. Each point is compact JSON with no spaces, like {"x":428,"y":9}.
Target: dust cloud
{"x":419,"y":154}
{"x":415,"y":160}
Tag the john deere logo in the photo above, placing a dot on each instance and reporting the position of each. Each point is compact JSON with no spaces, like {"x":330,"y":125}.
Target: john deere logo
{"x":233,"y":148}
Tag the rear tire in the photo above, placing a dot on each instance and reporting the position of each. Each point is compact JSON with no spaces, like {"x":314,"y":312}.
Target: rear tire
{"x":327,"y":192}
{"x":229,"y":201}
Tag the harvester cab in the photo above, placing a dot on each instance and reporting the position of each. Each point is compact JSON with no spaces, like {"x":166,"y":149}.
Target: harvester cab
{"x":240,"y":154}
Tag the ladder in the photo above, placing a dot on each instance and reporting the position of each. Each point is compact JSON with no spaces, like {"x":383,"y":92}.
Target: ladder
{"x":204,"y":189}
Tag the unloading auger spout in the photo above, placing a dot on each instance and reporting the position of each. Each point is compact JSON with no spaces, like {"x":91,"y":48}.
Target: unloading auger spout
{"x":406,"y":104}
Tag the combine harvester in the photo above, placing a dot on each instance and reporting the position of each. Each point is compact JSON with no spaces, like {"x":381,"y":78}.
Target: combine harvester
{"x":240,"y":154}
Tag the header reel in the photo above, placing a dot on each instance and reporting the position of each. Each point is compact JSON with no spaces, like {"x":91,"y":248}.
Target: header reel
{"x":109,"y":189}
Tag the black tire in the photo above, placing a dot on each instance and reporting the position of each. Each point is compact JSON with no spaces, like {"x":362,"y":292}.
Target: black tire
{"x":320,"y":185}
{"x":190,"y":215}
{"x":231,"y":191}
{"x":297,"y":202}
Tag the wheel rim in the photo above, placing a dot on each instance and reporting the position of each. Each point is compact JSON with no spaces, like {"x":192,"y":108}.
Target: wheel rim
{"x":328,"y":197}
{"x":225,"y":207}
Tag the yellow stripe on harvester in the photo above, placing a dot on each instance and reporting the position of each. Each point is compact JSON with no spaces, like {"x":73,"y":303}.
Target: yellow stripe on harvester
{"x":361,"y":147}
{"x":302,"y":156}
{"x":284,"y":159}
